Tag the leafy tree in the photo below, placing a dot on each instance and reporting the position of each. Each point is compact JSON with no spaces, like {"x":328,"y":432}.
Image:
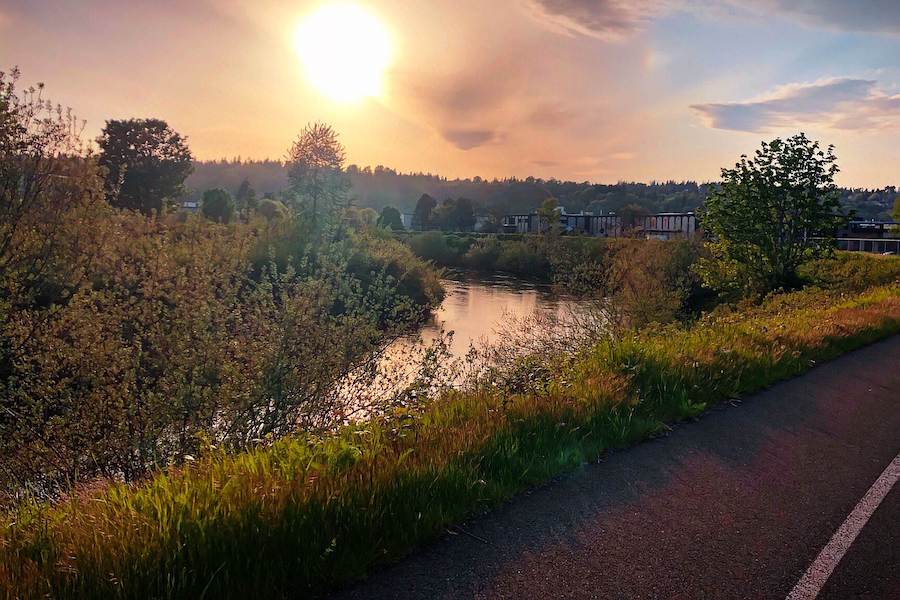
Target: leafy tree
{"x":360,"y":218}
{"x":217,"y":205}
{"x":421,"y":219}
{"x":48,"y":183}
{"x":146,"y":162}
{"x":246,"y":197}
{"x":272,"y":209}
{"x":315,"y":171}
{"x":454,"y":215}
{"x":464,"y":214}
{"x":390,"y":217}
{"x":773,"y":212}
{"x":549,"y":216}
{"x":895,"y":213}
{"x":631,"y":214}
{"x":442,"y":215}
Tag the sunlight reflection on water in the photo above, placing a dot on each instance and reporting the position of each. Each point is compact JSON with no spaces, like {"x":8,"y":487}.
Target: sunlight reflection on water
{"x":481,"y":309}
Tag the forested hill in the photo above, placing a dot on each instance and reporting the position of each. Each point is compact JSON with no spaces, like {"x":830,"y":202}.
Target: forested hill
{"x":382,"y":186}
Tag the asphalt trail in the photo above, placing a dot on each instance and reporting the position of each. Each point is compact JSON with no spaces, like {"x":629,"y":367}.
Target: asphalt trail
{"x":735,"y":505}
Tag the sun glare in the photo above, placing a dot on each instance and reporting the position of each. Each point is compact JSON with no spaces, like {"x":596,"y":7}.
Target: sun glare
{"x":345,"y":51}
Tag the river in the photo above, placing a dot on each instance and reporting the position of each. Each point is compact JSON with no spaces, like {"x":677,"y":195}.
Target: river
{"x":481,"y":308}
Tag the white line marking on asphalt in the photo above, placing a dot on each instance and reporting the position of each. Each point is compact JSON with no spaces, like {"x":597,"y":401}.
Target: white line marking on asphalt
{"x":820,"y":570}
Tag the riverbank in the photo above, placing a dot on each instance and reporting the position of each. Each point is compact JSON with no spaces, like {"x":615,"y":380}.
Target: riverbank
{"x":743,"y":499}
{"x":314,"y":513}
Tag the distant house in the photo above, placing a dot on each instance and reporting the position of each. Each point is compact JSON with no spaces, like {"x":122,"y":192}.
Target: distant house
{"x":190,"y":205}
{"x":406,"y":219}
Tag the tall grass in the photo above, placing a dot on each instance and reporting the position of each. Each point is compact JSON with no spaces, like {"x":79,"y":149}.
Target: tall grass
{"x":308,"y":514}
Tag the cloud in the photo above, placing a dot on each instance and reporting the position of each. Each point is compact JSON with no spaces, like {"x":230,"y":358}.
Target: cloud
{"x":843,"y":103}
{"x":617,"y":19}
{"x":603,"y":19}
{"x":466,"y":139}
{"x":857,"y":15}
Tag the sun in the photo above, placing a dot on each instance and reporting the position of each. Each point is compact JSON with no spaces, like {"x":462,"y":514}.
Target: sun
{"x":345,"y":50}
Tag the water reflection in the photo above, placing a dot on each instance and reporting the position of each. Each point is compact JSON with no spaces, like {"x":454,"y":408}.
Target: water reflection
{"x":480,"y":308}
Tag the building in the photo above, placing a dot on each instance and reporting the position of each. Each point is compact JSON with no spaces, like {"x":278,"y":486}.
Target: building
{"x":667,"y":226}
{"x":870,"y":229}
{"x":662,"y":226}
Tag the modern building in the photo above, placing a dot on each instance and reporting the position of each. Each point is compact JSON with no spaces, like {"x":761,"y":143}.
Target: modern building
{"x":666,"y":226}
{"x":660,"y":226}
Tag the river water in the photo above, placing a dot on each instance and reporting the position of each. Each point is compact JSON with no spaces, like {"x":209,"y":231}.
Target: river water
{"x":481,"y":308}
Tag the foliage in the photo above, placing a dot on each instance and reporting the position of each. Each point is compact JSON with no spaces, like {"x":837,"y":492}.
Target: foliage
{"x":310,"y":513}
{"x":631,"y":214}
{"x":48,"y":182}
{"x":315,"y":162}
{"x":380,"y":186}
{"x":422,"y":218}
{"x":653,"y":282}
{"x":454,"y":215}
{"x":130,"y":342}
{"x":273,"y":210}
{"x":774,"y":212}
{"x":146,"y":164}
{"x":390,"y":217}
{"x":360,"y":218}
{"x":218,"y":206}
{"x":548,"y":213}
{"x":245,"y":199}
{"x":851,"y":271}
{"x":895,"y":212}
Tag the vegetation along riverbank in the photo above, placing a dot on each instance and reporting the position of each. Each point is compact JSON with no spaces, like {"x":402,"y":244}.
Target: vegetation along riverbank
{"x":313,"y":512}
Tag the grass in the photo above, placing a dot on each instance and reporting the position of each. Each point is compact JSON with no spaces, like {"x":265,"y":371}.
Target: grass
{"x":307,"y":515}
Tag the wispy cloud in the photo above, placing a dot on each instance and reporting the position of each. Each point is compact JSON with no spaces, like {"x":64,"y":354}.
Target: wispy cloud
{"x":842,"y":103}
{"x":603,"y":19}
{"x":617,"y":19}
{"x":858,"y":15}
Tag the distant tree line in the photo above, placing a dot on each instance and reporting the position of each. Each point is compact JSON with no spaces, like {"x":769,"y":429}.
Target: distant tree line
{"x":380,"y":187}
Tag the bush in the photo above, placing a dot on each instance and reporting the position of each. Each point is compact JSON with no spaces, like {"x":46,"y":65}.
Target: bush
{"x":852,"y":271}
{"x":434,"y":246}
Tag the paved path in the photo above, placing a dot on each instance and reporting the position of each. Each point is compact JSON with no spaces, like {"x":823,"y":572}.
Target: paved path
{"x":736,"y":505}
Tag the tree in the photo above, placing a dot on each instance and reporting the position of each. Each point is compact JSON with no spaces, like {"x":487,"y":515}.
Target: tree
{"x":315,"y":171}
{"x":464,"y":214}
{"x":360,"y":218}
{"x":773,"y":212}
{"x":454,"y":215}
{"x":442,"y":215}
{"x":895,"y":213}
{"x":272,"y":209}
{"x":421,"y":219}
{"x":549,"y":216}
{"x":631,"y":214}
{"x":217,"y":205}
{"x":246,"y":197}
{"x":49,"y":183}
{"x":390,"y":217}
{"x":146,"y":162}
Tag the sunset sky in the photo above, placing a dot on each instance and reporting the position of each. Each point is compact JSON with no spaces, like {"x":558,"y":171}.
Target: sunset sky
{"x":574,"y":89}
